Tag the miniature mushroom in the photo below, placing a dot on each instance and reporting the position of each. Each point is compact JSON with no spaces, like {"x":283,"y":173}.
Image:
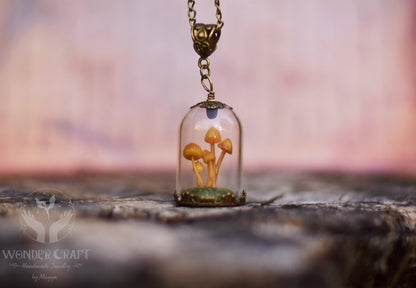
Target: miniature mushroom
{"x":227,"y":147}
{"x":209,"y":158}
{"x":199,"y":168}
{"x":193,"y":152}
{"x":212,"y":137}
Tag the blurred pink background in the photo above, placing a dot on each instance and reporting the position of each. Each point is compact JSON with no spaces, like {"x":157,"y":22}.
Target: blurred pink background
{"x":102,"y":85}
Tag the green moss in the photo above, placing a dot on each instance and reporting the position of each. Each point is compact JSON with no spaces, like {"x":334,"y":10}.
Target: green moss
{"x":209,"y":192}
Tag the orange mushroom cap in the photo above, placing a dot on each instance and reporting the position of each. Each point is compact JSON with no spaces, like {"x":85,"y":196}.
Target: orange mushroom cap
{"x":199,"y":167}
{"x":213,"y":136}
{"x":208,"y":156}
{"x":226,"y":146}
{"x":192,"y":150}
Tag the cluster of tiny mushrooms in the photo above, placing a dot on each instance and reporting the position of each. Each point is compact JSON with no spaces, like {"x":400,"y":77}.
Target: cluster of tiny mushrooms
{"x":194,"y":152}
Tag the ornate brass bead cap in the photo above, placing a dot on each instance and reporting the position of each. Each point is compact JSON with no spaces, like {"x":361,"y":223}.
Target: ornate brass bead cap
{"x":212,"y":105}
{"x":205,"y":37}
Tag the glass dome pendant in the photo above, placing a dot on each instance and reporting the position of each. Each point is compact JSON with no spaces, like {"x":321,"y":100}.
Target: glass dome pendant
{"x":209,"y":172}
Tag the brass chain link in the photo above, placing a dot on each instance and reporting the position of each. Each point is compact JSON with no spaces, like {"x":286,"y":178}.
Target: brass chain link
{"x":192,"y":13}
{"x":203,"y":62}
{"x":218,"y":13}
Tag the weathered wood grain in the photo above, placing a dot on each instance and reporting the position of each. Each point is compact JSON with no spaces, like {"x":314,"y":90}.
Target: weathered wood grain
{"x":297,"y":230}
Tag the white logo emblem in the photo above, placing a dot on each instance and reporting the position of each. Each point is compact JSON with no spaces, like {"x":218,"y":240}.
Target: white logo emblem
{"x":47,"y":216}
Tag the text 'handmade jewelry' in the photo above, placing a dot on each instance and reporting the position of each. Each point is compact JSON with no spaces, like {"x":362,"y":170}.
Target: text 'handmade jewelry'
{"x":209,"y":171}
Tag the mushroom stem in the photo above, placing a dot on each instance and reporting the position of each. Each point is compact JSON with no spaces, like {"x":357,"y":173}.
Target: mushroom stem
{"x":211,"y":175}
{"x":217,"y":166}
{"x":211,"y":181}
{"x":199,"y":181}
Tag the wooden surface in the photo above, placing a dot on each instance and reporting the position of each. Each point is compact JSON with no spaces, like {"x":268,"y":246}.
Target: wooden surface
{"x":297,"y":230}
{"x":103,"y":84}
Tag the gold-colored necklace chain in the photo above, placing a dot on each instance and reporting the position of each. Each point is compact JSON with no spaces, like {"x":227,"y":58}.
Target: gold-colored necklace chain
{"x":192,"y":13}
{"x":205,"y":39}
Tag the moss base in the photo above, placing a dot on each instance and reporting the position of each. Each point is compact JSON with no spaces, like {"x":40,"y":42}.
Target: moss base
{"x":209,"y":197}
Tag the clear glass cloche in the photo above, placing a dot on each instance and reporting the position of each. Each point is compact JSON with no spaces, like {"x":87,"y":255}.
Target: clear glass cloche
{"x":209,"y":171}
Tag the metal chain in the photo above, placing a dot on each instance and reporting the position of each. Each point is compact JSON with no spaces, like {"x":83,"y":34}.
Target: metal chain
{"x":203,"y":62}
{"x":220,"y":23}
{"x":192,"y":13}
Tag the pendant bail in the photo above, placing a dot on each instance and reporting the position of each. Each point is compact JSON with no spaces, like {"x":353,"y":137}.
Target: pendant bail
{"x":205,"y":37}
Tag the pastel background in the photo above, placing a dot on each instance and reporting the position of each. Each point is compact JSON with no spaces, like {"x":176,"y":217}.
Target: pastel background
{"x":101,"y":85}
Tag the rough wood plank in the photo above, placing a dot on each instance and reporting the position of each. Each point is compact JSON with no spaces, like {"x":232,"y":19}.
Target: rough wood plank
{"x":298,"y":230}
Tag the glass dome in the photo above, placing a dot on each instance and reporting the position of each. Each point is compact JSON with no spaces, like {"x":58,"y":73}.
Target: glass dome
{"x":209,"y":157}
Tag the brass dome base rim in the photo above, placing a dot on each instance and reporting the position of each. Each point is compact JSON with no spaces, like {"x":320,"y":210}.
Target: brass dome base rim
{"x":226,"y":202}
